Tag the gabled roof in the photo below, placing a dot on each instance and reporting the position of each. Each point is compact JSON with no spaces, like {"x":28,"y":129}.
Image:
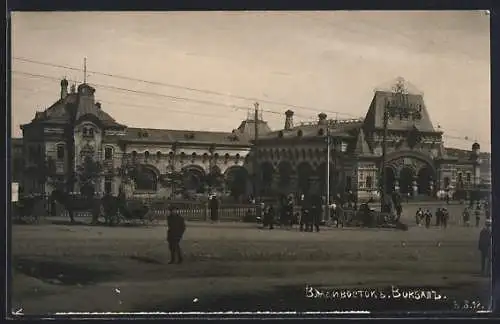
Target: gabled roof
{"x":148,"y":135}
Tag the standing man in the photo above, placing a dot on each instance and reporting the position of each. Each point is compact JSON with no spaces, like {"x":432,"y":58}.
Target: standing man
{"x":478,"y":214}
{"x":418,"y":216}
{"x":485,"y":247}
{"x":214,"y":208}
{"x":445,"y":216}
{"x":466,"y":216}
{"x":428,"y":217}
{"x":176,"y":228}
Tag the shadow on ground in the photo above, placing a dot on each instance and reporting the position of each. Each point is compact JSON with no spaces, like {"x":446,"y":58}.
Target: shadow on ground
{"x":60,"y":273}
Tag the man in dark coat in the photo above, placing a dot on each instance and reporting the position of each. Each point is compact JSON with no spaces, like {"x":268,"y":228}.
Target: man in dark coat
{"x":316,"y":209}
{"x":214,"y":208}
{"x":304,"y":213}
{"x":176,"y":228}
{"x":484,"y":247}
{"x":477,"y":213}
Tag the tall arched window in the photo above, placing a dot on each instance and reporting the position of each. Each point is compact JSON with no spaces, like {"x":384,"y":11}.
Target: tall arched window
{"x":60,"y":151}
{"x":108,"y":153}
{"x":369,"y":182}
{"x":146,"y":155}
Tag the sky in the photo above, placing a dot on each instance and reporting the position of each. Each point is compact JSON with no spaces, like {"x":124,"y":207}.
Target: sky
{"x":309,"y":62}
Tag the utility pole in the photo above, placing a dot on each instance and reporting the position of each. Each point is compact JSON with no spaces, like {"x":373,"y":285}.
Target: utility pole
{"x":84,"y":70}
{"x":256,"y":154}
{"x":327,"y":209}
{"x":382,"y":164}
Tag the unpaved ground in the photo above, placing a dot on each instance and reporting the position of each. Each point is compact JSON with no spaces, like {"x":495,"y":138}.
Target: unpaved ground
{"x":228,"y":266}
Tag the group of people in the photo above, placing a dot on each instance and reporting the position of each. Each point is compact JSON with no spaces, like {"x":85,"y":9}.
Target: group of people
{"x":425,"y":217}
{"x":308,"y":220}
{"x":468,"y":211}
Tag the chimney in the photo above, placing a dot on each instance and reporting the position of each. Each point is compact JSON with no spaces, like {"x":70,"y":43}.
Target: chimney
{"x":322,"y":119}
{"x":73,"y":88}
{"x":98,"y":105}
{"x":64,"y":88}
{"x":288,"y":120}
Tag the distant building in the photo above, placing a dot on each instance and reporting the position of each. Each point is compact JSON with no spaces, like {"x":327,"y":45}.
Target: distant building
{"x":58,"y":140}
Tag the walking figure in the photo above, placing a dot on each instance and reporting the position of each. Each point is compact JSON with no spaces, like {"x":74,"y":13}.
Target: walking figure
{"x":478,"y":215}
{"x":445,"y":215}
{"x":214,"y":208}
{"x":418,"y":216}
{"x":428,"y":217}
{"x":176,"y":228}
{"x":466,"y":216}
{"x":485,"y":247}
{"x":268,"y":219}
{"x":439,"y":216}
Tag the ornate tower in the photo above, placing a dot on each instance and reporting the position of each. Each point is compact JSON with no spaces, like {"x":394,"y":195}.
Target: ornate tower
{"x":288,"y":120}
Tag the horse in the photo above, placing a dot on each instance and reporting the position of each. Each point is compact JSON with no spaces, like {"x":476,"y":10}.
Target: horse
{"x":24,"y":207}
{"x":75,"y":203}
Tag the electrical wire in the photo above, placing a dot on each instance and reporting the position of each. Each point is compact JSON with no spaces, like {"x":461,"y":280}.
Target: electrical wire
{"x":139,"y":92}
{"x":216,"y":93}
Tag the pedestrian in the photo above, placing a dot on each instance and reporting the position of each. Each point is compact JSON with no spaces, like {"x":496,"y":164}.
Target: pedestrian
{"x":269,"y":217}
{"x":428,"y":217}
{"x":214,"y":208}
{"x":176,"y":228}
{"x":478,"y":215}
{"x":418,"y":216}
{"x":484,"y":247}
{"x":304,"y":210}
{"x":466,"y":216}
{"x":438,"y":216}
{"x":445,"y":215}
{"x":316,"y":214}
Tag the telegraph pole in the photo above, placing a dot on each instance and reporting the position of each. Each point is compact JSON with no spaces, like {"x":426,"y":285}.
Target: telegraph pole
{"x":382,"y":164}
{"x":256,"y":153}
{"x":327,"y":172}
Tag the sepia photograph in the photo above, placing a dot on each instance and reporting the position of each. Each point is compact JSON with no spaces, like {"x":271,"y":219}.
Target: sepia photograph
{"x":250,"y":162}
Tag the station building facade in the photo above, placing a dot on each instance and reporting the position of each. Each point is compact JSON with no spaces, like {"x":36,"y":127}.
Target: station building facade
{"x":289,"y":160}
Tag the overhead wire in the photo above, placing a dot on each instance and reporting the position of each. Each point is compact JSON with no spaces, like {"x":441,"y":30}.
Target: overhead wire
{"x":211,"y":92}
{"x":463,"y":139}
{"x":141,"y":92}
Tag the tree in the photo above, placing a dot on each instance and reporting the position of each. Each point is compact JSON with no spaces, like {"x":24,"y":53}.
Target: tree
{"x":237,"y":183}
{"x":214,"y":179}
{"x":87,"y":173}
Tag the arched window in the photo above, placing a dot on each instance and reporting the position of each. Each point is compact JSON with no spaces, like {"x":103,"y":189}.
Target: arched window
{"x":299,"y":133}
{"x":108,"y":153}
{"x":205,"y":157}
{"x":369,"y":182}
{"x":146,"y":155}
{"x":108,"y":185}
{"x":226,"y":157}
{"x":216,"y":157}
{"x":60,"y":151}
{"x":193,"y":156}
{"x":158,"y":155}
{"x":183,"y":156}
{"x":145,"y":179}
{"x":134,"y":155}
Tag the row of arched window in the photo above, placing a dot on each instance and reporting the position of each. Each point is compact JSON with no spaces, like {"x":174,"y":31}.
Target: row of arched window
{"x":293,"y":154}
{"x":183,"y":156}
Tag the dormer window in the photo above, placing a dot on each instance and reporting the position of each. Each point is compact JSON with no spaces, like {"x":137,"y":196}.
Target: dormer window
{"x":87,"y":131}
{"x":189,"y":135}
{"x":300,"y":133}
{"x":193,"y":157}
{"x":280,"y":134}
